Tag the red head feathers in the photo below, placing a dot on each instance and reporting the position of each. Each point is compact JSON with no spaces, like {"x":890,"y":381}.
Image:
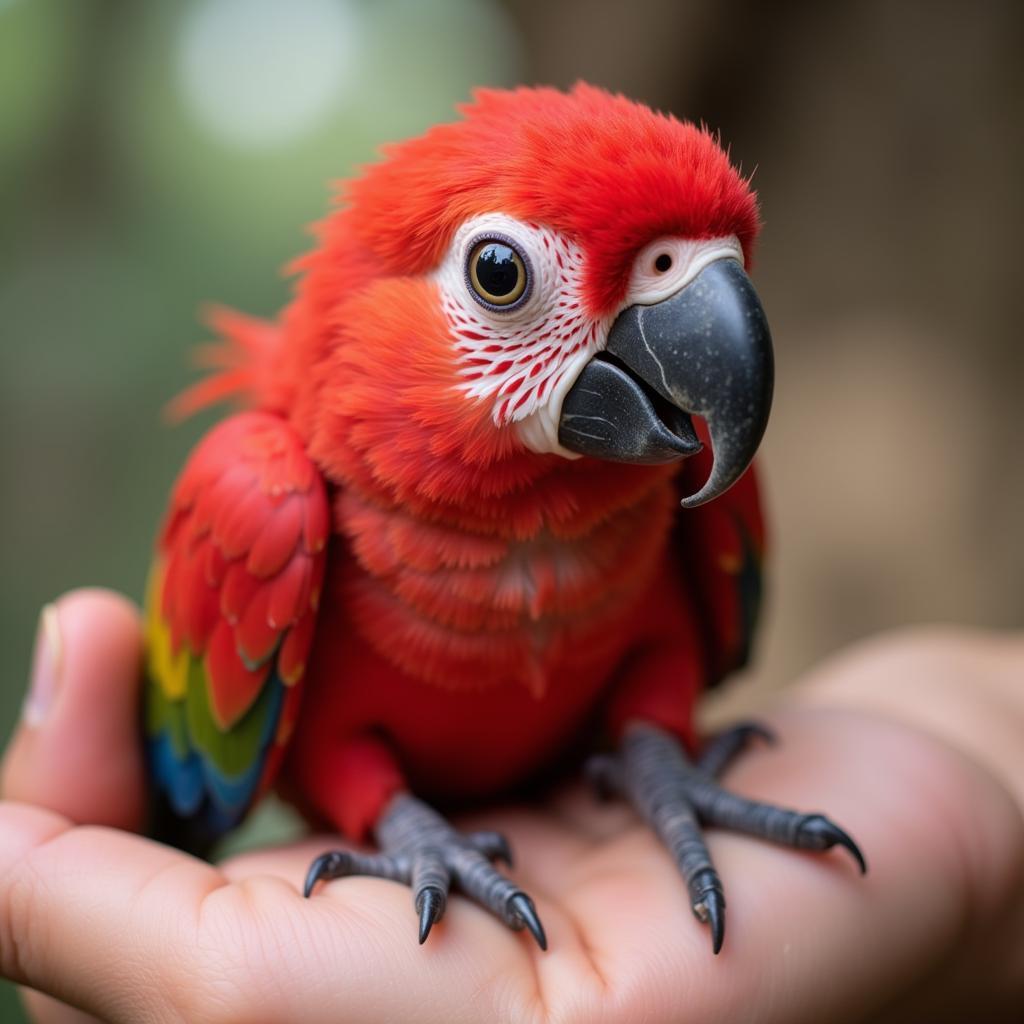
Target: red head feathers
{"x":385,"y":382}
{"x":609,"y":172}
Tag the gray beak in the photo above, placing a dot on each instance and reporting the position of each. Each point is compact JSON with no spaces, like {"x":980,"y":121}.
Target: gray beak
{"x":705,"y":351}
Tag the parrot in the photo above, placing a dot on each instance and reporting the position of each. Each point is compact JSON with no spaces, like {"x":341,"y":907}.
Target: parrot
{"x":485,"y":504}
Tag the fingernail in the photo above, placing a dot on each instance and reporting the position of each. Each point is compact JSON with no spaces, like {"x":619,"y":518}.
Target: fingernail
{"x":46,"y":668}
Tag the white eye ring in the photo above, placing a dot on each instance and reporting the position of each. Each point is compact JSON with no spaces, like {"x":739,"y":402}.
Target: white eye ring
{"x":668,"y":264}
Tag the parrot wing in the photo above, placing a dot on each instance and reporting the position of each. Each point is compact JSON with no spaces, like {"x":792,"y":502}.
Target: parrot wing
{"x":720,"y":547}
{"x":231,"y":609}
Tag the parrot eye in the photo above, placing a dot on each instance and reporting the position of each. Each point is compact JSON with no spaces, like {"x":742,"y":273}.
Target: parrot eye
{"x":663,"y":263}
{"x":497,"y":273}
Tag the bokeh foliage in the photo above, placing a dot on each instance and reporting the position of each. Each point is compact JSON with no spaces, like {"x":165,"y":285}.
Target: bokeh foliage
{"x":127,"y":201}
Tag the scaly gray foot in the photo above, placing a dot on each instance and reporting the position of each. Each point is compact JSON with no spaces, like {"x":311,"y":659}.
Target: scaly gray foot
{"x":676,"y":796}
{"x":420,"y":849}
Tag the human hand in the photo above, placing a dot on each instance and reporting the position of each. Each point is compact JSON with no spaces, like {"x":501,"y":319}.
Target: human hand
{"x":913,"y":743}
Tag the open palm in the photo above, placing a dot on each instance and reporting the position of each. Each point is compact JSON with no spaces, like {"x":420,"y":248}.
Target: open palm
{"x":132,"y":931}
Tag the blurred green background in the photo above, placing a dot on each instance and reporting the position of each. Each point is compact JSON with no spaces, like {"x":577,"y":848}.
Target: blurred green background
{"x":156,"y":156}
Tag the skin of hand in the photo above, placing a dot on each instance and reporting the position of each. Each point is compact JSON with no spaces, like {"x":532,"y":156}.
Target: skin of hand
{"x":915,"y":743}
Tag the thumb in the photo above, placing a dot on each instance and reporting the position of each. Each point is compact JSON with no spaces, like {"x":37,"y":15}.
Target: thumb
{"x":77,"y":749}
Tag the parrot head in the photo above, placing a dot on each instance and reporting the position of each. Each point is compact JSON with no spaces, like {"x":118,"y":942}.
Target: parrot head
{"x":555,"y":276}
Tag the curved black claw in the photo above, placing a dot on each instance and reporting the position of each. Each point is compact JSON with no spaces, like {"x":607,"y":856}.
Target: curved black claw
{"x":340,"y":863}
{"x":604,"y":775}
{"x":716,"y":919}
{"x":819,"y":833}
{"x":430,"y":904}
{"x":761,"y":731}
{"x":493,"y":845}
{"x":679,"y":798}
{"x":720,"y":750}
{"x":522,"y":907}
{"x":322,"y":867}
{"x":709,"y":904}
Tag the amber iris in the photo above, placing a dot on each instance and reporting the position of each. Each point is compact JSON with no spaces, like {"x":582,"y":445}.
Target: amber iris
{"x":497,"y":273}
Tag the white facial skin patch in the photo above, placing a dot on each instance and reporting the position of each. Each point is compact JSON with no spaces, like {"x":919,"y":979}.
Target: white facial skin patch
{"x":525,"y":357}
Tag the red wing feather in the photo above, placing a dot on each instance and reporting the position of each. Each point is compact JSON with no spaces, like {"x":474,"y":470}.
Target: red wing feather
{"x":239,"y":569}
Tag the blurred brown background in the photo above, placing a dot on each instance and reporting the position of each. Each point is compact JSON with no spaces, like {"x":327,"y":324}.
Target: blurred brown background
{"x":154,"y":156}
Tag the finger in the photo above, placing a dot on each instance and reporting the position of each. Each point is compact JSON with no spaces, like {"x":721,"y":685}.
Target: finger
{"x":97,"y":918}
{"x":962,"y":685}
{"x":129,"y":930}
{"x":808,"y":938}
{"x":77,"y":749}
{"x":590,"y":815}
{"x":806,"y":931}
{"x":44,"y":1010}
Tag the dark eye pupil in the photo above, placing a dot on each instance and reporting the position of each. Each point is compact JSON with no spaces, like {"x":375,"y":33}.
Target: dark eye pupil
{"x":663,"y":263}
{"x":496,"y":269}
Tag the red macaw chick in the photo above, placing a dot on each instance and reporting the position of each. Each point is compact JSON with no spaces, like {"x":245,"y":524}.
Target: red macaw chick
{"x":443,"y":544}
